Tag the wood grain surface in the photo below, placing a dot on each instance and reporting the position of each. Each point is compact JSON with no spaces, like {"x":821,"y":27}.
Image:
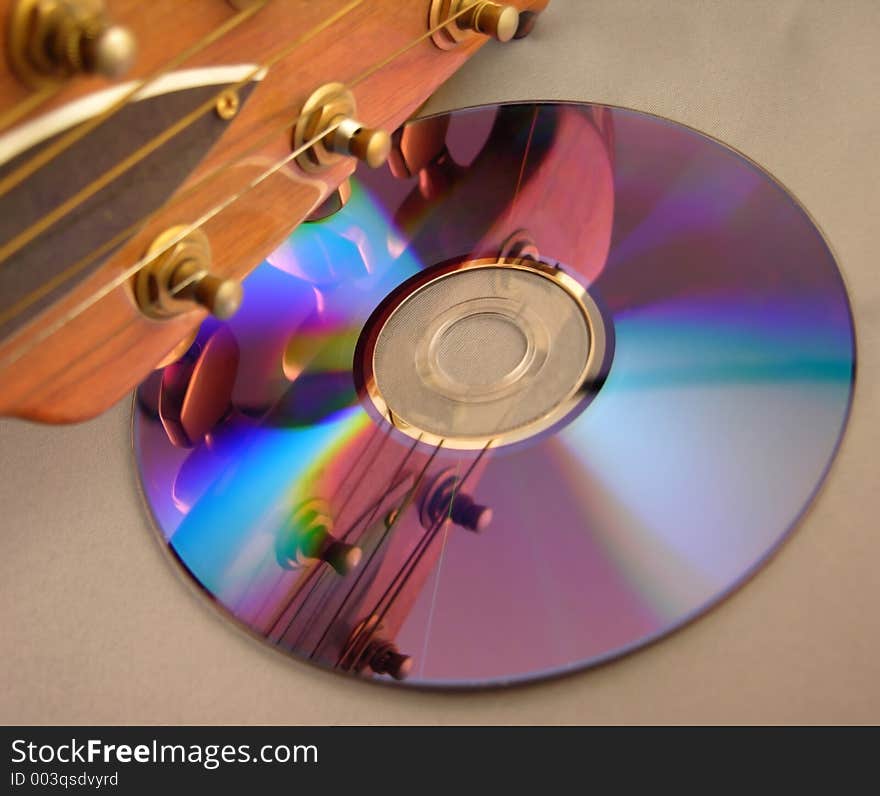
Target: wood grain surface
{"x":97,"y":355}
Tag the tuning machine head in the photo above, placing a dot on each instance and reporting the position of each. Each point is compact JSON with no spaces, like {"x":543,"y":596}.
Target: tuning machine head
{"x":52,"y":40}
{"x":177,"y":278}
{"x":333,"y":108}
{"x":499,"y":21}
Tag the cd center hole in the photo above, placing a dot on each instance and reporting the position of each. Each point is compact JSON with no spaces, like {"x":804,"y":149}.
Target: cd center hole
{"x":480,"y":350}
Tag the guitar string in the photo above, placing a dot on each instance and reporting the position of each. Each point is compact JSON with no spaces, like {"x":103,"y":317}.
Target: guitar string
{"x":62,"y":144}
{"x":253,"y":184}
{"x":128,"y":273}
{"x":362,"y":570}
{"x":84,"y":194}
{"x":120,"y":237}
{"x":28,"y":104}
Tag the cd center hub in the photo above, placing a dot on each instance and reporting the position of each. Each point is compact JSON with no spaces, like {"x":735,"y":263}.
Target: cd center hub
{"x":483,"y":352}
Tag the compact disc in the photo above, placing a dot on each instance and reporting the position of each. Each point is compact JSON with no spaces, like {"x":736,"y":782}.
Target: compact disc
{"x":538,"y":392}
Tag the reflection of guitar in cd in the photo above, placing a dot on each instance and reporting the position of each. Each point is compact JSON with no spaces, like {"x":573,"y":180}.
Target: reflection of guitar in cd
{"x":354,"y":542}
{"x":515,"y":405}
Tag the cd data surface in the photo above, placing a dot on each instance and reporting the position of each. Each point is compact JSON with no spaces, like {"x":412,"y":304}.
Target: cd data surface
{"x":547,"y":386}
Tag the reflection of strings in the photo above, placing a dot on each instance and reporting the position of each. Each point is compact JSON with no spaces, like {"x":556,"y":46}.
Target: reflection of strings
{"x":522,"y":167}
{"x":437,"y":573}
{"x":370,"y":515}
{"x":269,"y":595}
{"x":367,"y":462}
{"x":355,"y":649}
{"x":386,"y":534}
{"x":361,"y":569}
{"x":359,"y":644}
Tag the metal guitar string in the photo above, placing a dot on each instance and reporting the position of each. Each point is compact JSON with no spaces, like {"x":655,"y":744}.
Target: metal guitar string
{"x":125,"y":275}
{"x":99,"y":183}
{"x":58,"y":147}
{"x":84,"y":262}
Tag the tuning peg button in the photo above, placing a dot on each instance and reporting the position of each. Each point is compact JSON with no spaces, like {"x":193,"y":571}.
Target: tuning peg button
{"x":332,"y":108}
{"x":491,"y":19}
{"x":464,"y":18}
{"x":367,"y":145}
{"x":112,"y":53}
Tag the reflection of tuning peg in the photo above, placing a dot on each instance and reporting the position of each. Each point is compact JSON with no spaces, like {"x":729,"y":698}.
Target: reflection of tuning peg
{"x":307,"y":536}
{"x":207,"y":462}
{"x":519,"y":245}
{"x":468,"y":514}
{"x":383,"y":657}
{"x":417,"y":144}
{"x":442,"y":500}
{"x":196,"y":390}
{"x":367,"y":649}
{"x":419,"y":149}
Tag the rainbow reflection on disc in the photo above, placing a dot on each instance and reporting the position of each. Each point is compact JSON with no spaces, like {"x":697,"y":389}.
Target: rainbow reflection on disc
{"x":372,"y":548}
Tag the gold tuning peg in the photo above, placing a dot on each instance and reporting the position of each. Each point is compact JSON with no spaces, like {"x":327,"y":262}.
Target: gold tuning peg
{"x":178,"y":279}
{"x":332,"y":107}
{"x":500,"y":21}
{"x":52,"y":40}
{"x":367,"y":145}
{"x":491,"y":19}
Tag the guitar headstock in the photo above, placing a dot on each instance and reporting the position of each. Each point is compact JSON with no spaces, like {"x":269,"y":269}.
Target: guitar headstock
{"x":152,"y":154}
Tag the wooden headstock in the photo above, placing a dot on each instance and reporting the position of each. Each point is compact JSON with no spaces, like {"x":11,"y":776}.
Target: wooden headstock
{"x":94,"y":174}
